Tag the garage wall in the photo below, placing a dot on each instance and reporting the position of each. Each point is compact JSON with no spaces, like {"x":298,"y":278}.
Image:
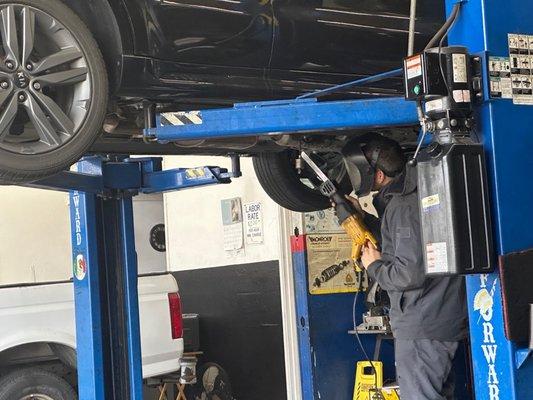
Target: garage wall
{"x":240,"y":324}
{"x":236,"y":293}
{"x":34,"y":236}
{"x":194,"y":219}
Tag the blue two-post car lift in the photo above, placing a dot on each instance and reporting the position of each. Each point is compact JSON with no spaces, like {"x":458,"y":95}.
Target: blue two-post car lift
{"x":105,"y":268}
{"x":105,"y":264}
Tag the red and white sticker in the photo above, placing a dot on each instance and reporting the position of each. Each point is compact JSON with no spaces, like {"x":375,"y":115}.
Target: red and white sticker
{"x":80,"y":267}
{"x":461,"y":96}
{"x":437,"y":257}
{"x":414,"y":66}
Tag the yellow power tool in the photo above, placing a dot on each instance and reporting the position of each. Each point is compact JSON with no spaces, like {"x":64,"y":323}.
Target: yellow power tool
{"x":349,"y":218}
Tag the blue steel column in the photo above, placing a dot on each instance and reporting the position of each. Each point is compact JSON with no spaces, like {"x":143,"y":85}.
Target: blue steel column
{"x":106,"y":295}
{"x":131,"y":296}
{"x":86,"y":275}
{"x":506,"y":134}
{"x":299,"y":264}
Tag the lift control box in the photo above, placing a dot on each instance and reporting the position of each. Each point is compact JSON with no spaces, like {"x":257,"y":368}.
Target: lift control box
{"x":423,"y":76}
{"x":454,"y":209}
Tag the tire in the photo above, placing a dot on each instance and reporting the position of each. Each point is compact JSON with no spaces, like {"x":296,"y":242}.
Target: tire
{"x":277,"y":175}
{"x":24,"y":166}
{"x":23,"y":383}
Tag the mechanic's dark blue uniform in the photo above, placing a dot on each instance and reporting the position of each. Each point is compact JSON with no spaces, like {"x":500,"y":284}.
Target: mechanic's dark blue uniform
{"x":428,"y":315}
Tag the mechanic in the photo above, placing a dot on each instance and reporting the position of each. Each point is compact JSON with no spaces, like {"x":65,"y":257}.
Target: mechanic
{"x":428,"y":315}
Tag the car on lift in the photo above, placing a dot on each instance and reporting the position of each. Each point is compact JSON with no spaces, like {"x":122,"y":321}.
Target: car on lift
{"x":75,"y":76}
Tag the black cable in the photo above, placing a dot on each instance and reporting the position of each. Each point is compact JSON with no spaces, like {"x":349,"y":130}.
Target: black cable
{"x":444,"y":28}
{"x":359,"y":289}
{"x":453,"y":18}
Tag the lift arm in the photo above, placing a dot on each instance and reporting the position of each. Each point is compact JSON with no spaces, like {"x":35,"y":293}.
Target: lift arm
{"x":284,"y":116}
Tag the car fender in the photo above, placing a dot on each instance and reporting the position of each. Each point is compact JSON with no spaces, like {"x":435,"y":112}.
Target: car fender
{"x":109,"y":22}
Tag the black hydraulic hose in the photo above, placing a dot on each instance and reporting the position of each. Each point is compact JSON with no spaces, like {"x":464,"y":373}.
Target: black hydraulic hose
{"x":444,"y":28}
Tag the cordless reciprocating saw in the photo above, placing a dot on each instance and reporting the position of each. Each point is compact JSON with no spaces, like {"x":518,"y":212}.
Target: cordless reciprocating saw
{"x":349,"y":218}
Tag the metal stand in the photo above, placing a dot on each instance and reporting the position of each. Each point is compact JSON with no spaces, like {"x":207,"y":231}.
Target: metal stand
{"x":105,"y":265}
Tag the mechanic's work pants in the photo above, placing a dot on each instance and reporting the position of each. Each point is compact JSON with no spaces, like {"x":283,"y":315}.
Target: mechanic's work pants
{"x":423,"y":368}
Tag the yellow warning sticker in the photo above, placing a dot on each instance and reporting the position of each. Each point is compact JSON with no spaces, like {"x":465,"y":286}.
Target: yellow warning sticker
{"x":430,"y":201}
{"x":195,"y":173}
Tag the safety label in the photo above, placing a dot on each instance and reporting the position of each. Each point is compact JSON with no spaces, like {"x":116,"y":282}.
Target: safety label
{"x":459,"y":68}
{"x":461,"y":96}
{"x":414,"y":66}
{"x":430,"y":202}
{"x":500,"y":78}
{"x":195,"y":173}
{"x":437,"y":257}
{"x":521,"y":68}
{"x":434,"y":105}
{"x":182,"y":118}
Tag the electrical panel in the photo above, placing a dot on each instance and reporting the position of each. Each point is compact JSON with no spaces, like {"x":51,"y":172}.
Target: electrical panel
{"x":423,"y":77}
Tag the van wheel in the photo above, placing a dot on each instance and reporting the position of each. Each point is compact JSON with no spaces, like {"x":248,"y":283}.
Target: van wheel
{"x":35,"y":384}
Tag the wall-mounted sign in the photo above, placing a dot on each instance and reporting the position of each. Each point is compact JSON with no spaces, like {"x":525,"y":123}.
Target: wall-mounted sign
{"x":330,"y":267}
{"x":232,"y":224}
{"x":253,"y":223}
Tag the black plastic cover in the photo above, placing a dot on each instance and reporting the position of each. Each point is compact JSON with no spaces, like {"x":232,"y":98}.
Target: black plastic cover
{"x":455,"y":210}
{"x":516,"y":276}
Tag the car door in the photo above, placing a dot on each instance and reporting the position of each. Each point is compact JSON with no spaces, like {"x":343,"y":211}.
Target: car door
{"x":359,"y":37}
{"x":235,"y":33}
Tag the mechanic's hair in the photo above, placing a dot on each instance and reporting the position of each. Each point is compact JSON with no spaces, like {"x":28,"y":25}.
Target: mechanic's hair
{"x":390,"y":157}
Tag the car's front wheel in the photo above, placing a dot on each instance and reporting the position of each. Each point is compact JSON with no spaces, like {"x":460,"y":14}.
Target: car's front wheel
{"x":294,"y":189}
{"x":53,"y":89}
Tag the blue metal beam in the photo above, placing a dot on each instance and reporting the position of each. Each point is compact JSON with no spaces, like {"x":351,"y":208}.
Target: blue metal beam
{"x":287,"y":116}
{"x":131,"y":175}
{"x":359,"y":82}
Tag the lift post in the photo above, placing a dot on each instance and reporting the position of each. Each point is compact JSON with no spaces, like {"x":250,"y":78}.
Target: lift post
{"x":105,"y":267}
{"x":499,"y":323}
{"x":105,"y":264}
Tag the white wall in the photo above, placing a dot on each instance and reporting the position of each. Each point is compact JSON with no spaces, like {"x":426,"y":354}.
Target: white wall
{"x":34,"y":236}
{"x":194,"y":219}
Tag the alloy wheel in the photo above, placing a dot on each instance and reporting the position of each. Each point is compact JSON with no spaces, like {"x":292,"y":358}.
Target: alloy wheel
{"x":45,"y":86}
